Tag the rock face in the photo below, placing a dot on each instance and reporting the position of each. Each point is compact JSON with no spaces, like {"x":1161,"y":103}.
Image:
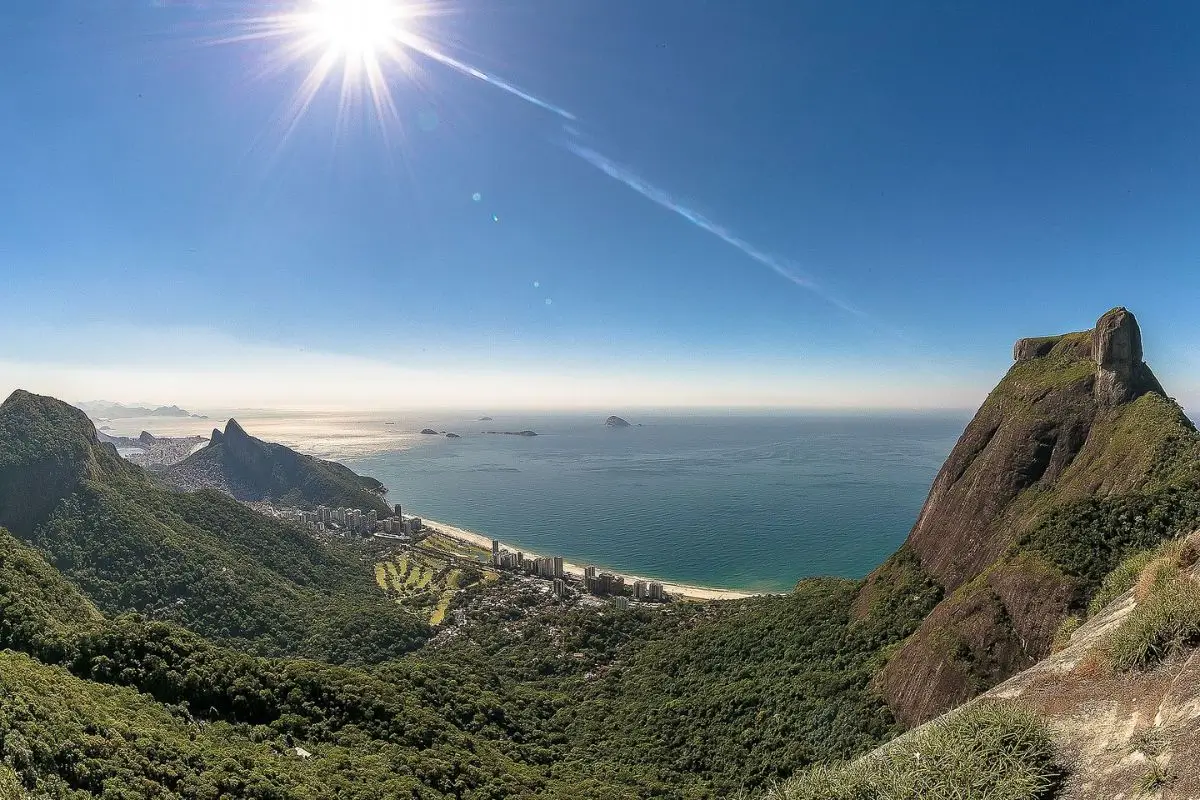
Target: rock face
{"x":616,"y":422}
{"x":429,"y":432}
{"x":1078,"y":415}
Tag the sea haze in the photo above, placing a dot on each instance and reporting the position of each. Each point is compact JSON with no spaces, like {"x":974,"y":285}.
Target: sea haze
{"x":753,"y":502}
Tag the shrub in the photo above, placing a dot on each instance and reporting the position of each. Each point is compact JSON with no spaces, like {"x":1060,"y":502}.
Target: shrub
{"x":990,"y":750}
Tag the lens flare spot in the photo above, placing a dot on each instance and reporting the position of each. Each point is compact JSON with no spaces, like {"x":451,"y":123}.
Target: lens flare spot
{"x":477,"y":197}
{"x":537,"y":284}
{"x":428,"y":120}
{"x":549,"y":301}
{"x":495,"y":217}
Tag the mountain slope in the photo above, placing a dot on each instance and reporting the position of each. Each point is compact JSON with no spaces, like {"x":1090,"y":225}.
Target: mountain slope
{"x":250,"y":469}
{"x":1078,"y":422}
{"x":200,"y":559}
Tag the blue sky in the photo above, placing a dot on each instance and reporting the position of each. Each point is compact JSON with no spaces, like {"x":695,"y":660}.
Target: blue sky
{"x":768,"y":203}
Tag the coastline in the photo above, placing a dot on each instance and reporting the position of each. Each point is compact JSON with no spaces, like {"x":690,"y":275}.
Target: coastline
{"x":680,"y":590}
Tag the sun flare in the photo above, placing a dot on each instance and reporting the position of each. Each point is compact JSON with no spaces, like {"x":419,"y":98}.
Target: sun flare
{"x":369,"y":42}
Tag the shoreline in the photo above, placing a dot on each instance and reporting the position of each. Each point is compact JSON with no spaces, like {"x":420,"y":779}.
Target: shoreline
{"x":679,"y":590}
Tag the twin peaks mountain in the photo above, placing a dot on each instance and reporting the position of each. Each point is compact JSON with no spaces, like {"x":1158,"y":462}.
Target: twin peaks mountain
{"x":250,"y":469}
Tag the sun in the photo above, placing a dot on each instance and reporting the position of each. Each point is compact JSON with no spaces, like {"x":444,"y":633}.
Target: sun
{"x":357,"y":31}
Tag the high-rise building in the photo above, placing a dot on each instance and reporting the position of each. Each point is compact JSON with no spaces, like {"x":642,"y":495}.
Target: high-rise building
{"x":496,"y":552}
{"x":560,"y":587}
{"x":397,"y":507}
{"x":589,"y":572}
{"x":620,"y":602}
{"x":558,"y":566}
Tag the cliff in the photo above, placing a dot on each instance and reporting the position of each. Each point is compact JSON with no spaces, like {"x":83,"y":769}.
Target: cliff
{"x":1079,"y":417}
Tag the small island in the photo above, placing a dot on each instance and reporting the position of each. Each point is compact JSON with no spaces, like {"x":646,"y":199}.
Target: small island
{"x":616,"y":422}
{"x":511,"y":433}
{"x":429,"y":432}
{"x":485,"y":419}
{"x":453,"y":436}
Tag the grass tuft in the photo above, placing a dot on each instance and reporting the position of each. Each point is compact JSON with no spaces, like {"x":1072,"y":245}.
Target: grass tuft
{"x":1062,"y":639}
{"x":990,"y":750}
{"x":1166,"y":619}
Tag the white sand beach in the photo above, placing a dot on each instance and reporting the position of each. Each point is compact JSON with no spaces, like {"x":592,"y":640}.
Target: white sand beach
{"x":678,"y":590}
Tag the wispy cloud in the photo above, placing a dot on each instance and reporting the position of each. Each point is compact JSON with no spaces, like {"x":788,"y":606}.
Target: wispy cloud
{"x":425,"y":48}
{"x":667,"y":201}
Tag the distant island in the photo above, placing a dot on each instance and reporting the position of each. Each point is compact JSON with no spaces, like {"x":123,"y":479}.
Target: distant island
{"x":429,"y":432}
{"x":511,"y":433}
{"x":105,"y":410}
{"x":486,"y":419}
{"x":616,"y":422}
{"x":453,"y":436}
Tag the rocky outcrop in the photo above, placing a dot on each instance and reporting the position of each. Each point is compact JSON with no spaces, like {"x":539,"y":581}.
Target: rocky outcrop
{"x":429,"y":432}
{"x":1070,"y":420}
{"x":616,"y":422}
{"x":1121,"y":375}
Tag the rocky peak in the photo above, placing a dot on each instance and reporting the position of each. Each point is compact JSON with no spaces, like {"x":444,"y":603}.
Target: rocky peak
{"x":1070,"y":420}
{"x":146,"y":438}
{"x":235,"y":431}
{"x":215,"y":437}
{"x":1117,"y":346}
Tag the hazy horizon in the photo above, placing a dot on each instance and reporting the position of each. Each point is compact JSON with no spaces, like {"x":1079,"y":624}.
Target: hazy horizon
{"x":786,"y":205}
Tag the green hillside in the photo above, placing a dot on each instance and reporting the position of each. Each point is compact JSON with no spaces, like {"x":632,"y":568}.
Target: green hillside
{"x":202,"y":560}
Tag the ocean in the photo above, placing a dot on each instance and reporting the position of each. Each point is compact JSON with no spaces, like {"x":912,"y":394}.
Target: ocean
{"x":743,"y":502}
{"x":740,"y":501}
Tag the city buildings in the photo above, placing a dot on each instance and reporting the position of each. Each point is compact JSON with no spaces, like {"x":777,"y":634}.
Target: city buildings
{"x":352,"y":520}
{"x":604,"y":583}
{"x":620,"y":602}
{"x":648,"y":590}
{"x":543,"y":567}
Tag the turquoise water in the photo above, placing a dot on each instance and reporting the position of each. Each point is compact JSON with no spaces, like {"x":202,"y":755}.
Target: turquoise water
{"x":752,"y":502}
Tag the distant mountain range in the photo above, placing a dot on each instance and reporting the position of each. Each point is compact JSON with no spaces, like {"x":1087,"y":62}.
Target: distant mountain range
{"x":103,"y":409}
